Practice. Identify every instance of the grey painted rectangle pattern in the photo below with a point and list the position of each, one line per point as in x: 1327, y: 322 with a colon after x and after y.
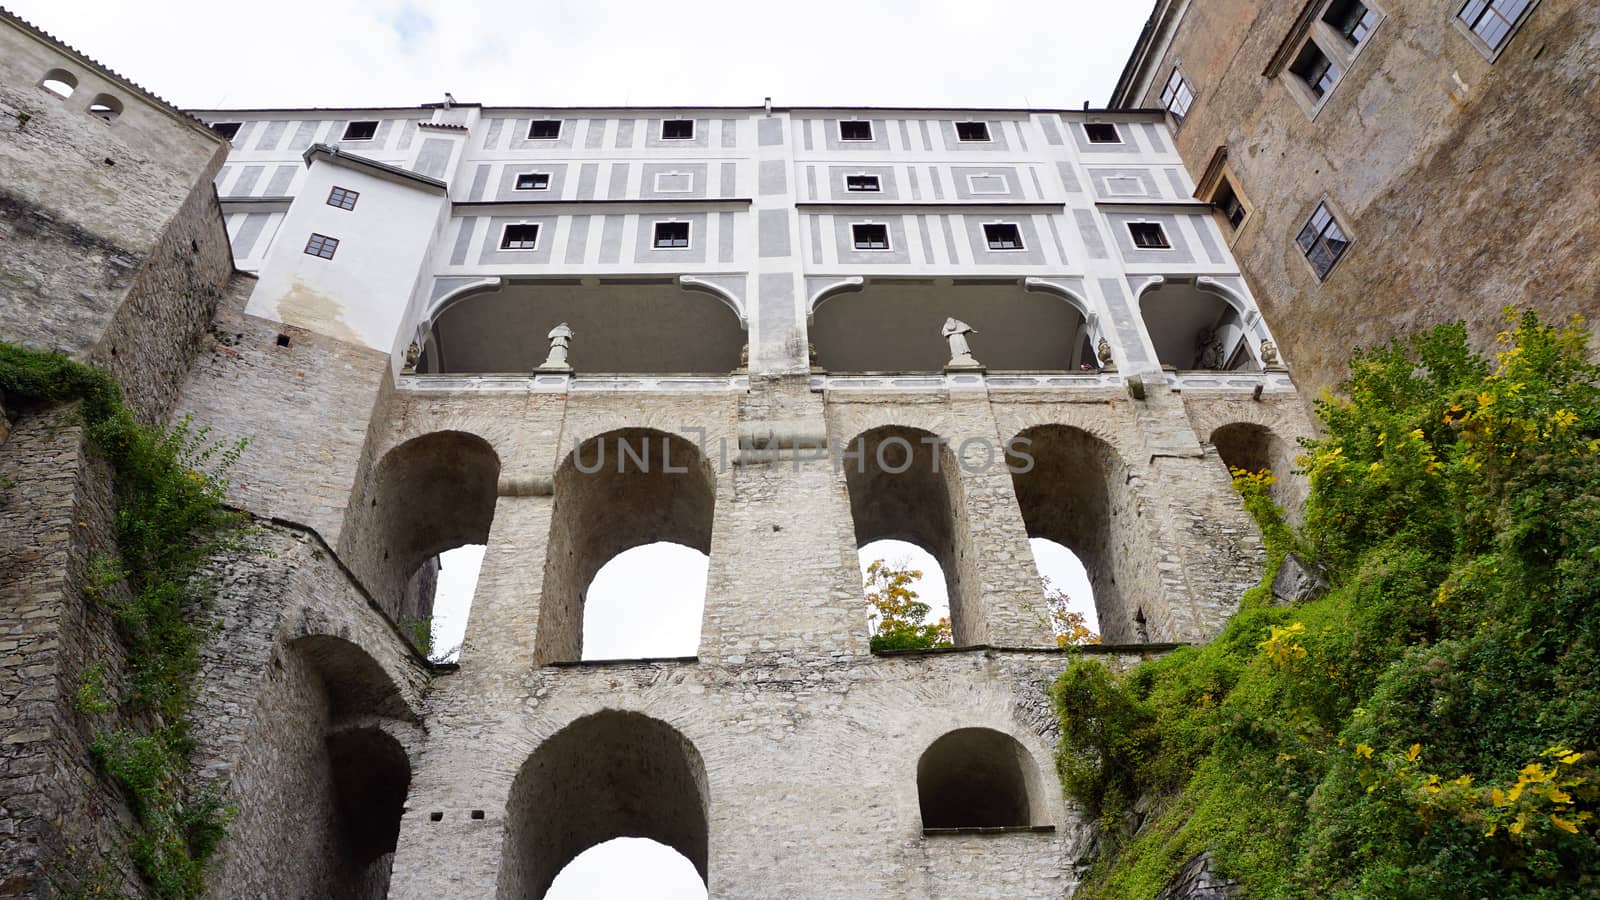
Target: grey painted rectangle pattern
x: 772, y: 178
x: 887, y: 190
x: 730, y: 134
x: 911, y: 180
x: 480, y: 180
x: 624, y: 134
x: 948, y: 223
x: 1125, y: 131
x: 618, y: 186
x: 1038, y: 187
x: 968, y: 177
x: 458, y: 255
x: 595, y: 134
x: 927, y: 239
x: 507, y: 188
x: 696, y: 171
x: 645, y: 251
x: 611, y: 239
x: 1122, y: 317
x: 434, y: 157
x: 1055, y: 234
x: 725, y: 237
x: 934, y: 182
x: 1145, y: 178
x: 1090, y: 232
x: 539, y: 255
x: 1052, y: 134
x: 1032, y: 253
x: 282, y: 178
x: 844, y: 241
x: 1069, y: 177
x: 577, y: 240
x: 772, y: 234
x: 811, y: 182
x: 491, y: 136
x: 816, y: 239
x: 304, y: 136
x: 775, y: 307
x: 769, y: 132
x: 1202, y: 229
x: 271, y: 135
x: 1179, y: 252
x: 408, y: 131
x: 1179, y: 191
x: 246, y: 184
x: 728, y: 183
x: 249, y: 231
x: 588, y: 174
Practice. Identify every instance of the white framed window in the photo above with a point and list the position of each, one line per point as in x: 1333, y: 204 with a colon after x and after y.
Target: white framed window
x: 870, y: 236
x: 985, y: 183
x: 520, y: 237
x: 862, y: 184
x: 671, y: 236
x: 1102, y: 133
x: 360, y: 131
x: 1177, y: 96
x: 677, y: 129
x: 1490, y: 24
x: 1125, y: 186
x: 855, y: 130
x: 674, y: 182
x: 1334, y: 37
x: 544, y: 130
x: 1003, y: 236
x: 1322, y: 240
x: 972, y: 132
x: 532, y: 181
x: 1149, y: 236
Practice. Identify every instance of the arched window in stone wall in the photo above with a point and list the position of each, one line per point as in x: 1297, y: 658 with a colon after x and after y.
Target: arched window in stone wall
x: 978, y: 778
x: 1077, y: 494
x: 431, y: 494
x: 370, y: 776
x: 646, y: 602
x: 1244, y: 445
x: 904, y: 485
x: 621, y: 490
x: 1195, y: 329
x: 608, y: 775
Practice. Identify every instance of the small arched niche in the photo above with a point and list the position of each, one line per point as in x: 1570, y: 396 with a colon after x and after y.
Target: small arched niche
x: 59, y: 82
x: 608, y: 775
x: 619, y: 325
x: 978, y: 778
x: 105, y: 106
x: 620, y: 490
x: 1252, y: 447
x: 904, y: 484
x: 431, y: 494
x: 893, y: 325
x: 1195, y: 329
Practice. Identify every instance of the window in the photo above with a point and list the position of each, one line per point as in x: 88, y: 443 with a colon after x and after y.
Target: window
x: 105, y: 106
x: 322, y: 246
x: 1177, y: 96
x: 228, y: 130
x: 1352, y: 19
x: 59, y: 82
x: 519, y: 237
x: 1003, y: 236
x: 1149, y: 236
x: 672, y: 235
x: 1315, y: 69
x: 1493, y: 21
x: 1322, y: 240
x: 342, y: 198
x: 533, y: 181
x: 544, y: 129
x: 972, y: 131
x: 862, y: 183
x: 1227, y: 202
x: 360, y: 131
x: 1102, y: 133
x: 855, y: 131
x: 870, y: 237
x: 677, y: 129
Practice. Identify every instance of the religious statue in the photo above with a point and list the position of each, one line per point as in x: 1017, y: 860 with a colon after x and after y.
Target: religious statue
x: 1208, y: 350
x: 560, y: 342
x: 413, y: 353
x: 955, y: 331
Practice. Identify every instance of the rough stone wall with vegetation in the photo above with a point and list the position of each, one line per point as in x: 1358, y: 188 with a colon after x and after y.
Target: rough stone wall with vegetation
x: 1463, y: 183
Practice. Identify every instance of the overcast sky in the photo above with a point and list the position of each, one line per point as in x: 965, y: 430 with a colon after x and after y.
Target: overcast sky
x: 206, y: 54
x: 939, y: 53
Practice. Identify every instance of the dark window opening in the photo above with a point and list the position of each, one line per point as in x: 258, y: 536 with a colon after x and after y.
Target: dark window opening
x: 1352, y: 19
x: 1227, y: 202
x: 533, y: 181
x: 672, y: 235
x: 975, y: 778
x: 1149, y: 235
x: 1003, y: 236
x: 870, y: 237
x: 283, y: 340
x: 342, y: 198
x: 228, y: 130
x: 1322, y: 240
x: 1314, y: 68
x: 677, y: 130
x: 855, y: 131
x: 544, y: 129
x: 322, y: 246
x: 519, y: 237
x: 860, y: 183
x: 360, y: 131
x: 1493, y: 20
x: 972, y: 131
x: 1102, y: 133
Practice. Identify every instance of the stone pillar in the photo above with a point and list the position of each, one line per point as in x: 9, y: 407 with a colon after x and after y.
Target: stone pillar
x: 784, y: 577
x: 504, y: 622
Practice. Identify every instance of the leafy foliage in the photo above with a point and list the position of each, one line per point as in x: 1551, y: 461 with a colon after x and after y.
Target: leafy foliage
x: 169, y: 520
x: 1070, y: 627
x: 1429, y: 727
x: 899, y: 619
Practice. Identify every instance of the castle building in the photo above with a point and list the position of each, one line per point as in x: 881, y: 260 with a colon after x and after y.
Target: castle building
x: 1378, y: 166
x: 771, y: 334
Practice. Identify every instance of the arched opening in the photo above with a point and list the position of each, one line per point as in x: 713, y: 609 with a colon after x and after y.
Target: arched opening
x: 371, y: 776
x: 628, y: 867
x: 428, y: 495
x: 1076, y: 494
x: 894, y: 326
x: 904, y: 486
x: 59, y: 82
x: 608, y: 775
x: 621, y: 490
x: 619, y: 326
x: 1195, y: 329
x: 456, y: 581
x: 911, y: 615
x: 1068, y: 593
x: 978, y: 778
x: 105, y: 106
x: 1244, y: 445
x: 646, y: 602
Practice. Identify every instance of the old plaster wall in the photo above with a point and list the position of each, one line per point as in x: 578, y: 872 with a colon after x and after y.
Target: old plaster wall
x: 1458, y: 179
